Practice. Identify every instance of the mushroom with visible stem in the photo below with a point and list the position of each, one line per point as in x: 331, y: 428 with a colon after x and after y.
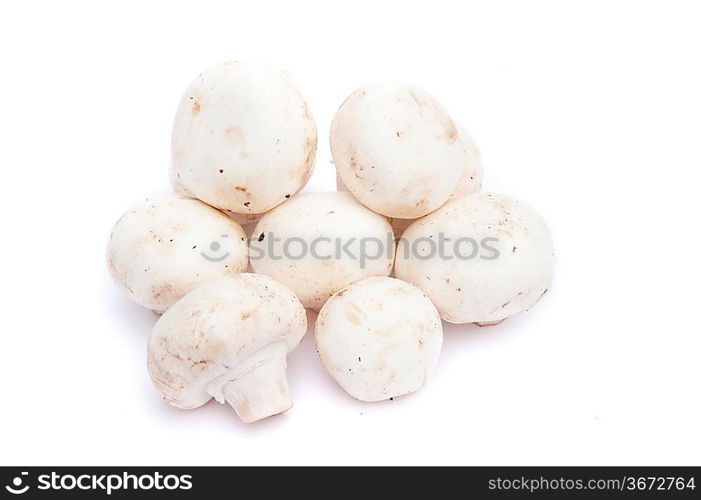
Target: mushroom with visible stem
x: 160, y: 250
x: 243, y: 139
x: 496, y: 258
x: 318, y: 243
x: 396, y: 150
x: 379, y: 338
x: 228, y: 340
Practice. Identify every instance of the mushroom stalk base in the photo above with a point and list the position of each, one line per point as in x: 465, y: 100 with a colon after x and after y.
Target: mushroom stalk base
x: 262, y: 390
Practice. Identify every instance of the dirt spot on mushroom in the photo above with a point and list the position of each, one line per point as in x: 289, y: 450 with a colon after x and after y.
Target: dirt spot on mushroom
x: 166, y: 293
x: 305, y: 111
x: 416, y: 98
x: 451, y: 133
x: 541, y: 296
x: 234, y: 133
x: 421, y: 344
x: 384, y: 332
x: 240, y: 188
x: 196, y: 107
x: 309, y: 148
x: 400, y: 291
x: 354, y: 313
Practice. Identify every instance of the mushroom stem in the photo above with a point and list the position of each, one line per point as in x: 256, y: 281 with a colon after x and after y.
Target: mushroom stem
x: 261, y: 391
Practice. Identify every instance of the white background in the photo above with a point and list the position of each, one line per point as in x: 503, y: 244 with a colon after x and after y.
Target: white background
x: 589, y: 111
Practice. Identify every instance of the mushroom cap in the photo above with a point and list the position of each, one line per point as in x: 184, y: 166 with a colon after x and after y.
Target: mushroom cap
x: 160, y: 250
x: 485, y: 280
x: 243, y: 138
x: 322, y: 222
x: 470, y: 181
x: 379, y: 338
x: 396, y: 150
x: 204, y: 340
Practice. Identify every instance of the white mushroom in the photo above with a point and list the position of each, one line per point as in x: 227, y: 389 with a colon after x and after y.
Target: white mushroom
x: 379, y: 338
x: 160, y: 250
x: 396, y: 150
x: 243, y: 138
x: 228, y: 340
x: 480, y: 258
x: 470, y: 181
x: 317, y: 243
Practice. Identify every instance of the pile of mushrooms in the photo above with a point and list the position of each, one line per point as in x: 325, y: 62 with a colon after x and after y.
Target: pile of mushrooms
x: 406, y: 241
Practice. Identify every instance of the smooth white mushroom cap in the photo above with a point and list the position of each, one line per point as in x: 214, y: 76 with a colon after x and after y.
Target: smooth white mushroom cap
x: 470, y: 181
x: 160, y: 250
x: 396, y: 150
x: 321, y: 223
x: 379, y: 338
x: 507, y: 262
x: 229, y: 340
x: 243, y: 138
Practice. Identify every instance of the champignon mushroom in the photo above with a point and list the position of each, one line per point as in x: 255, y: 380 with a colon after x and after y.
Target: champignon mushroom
x: 470, y: 181
x: 480, y: 258
x: 160, y: 250
x: 379, y: 338
x: 228, y: 340
x: 317, y: 243
x: 243, y: 138
x: 396, y: 150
